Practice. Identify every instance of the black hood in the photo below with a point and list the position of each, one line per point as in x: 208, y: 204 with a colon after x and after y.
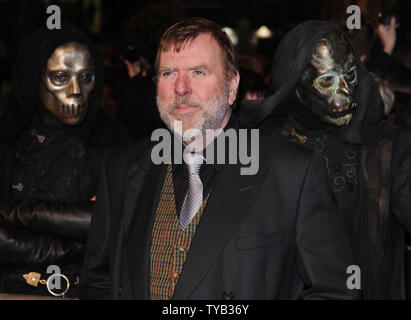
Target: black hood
x: 30, y: 63
x: 292, y: 57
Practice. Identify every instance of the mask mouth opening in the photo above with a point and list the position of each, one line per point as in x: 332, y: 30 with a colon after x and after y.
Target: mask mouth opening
x: 341, y: 121
x: 73, y: 109
x: 338, y: 112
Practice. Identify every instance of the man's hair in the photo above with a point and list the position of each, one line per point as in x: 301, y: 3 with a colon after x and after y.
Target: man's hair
x: 183, y: 32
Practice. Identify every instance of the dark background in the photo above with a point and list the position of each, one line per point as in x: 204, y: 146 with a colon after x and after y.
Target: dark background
x: 109, y: 20
x: 19, y: 17
x: 115, y: 24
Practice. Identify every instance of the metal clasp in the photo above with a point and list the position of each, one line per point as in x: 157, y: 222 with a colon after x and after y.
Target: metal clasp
x: 33, y: 278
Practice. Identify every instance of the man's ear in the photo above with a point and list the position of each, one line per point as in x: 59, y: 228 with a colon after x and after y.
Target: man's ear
x: 233, y: 87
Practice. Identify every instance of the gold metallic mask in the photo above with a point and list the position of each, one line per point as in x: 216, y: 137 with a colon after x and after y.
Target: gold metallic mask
x: 328, y: 84
x: 67, y: 80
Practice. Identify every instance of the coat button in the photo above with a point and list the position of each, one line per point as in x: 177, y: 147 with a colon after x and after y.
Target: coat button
x: 228, y: 295
x: 120, y: 290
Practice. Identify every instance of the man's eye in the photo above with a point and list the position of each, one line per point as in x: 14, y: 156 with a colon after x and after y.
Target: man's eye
x: 166, y: 74
x: 199, y: 73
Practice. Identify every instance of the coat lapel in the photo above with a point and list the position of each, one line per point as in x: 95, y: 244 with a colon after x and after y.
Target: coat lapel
x: 141, y: 195
x: 225, y: 208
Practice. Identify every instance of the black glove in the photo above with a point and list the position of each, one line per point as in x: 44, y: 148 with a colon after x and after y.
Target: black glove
x: 21, y: 248
x: 65, y: 220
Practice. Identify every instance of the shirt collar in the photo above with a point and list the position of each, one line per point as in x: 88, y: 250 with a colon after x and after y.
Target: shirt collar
x: 231, y: 124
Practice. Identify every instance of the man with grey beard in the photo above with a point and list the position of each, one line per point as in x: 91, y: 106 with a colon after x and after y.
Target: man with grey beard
x: 203, y: 230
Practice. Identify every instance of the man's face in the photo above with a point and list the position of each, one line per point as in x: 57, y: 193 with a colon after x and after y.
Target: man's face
x: 68, y: 80
x: 327, y: 87
x: 191, y: 86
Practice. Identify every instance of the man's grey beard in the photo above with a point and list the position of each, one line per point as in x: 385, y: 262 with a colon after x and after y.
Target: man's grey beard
x: 207, y: 121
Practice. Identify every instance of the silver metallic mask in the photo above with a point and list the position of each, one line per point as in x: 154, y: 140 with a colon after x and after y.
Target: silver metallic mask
x: 67, y: 80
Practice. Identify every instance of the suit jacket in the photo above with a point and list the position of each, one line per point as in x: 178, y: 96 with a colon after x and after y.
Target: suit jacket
x: 273, y: 235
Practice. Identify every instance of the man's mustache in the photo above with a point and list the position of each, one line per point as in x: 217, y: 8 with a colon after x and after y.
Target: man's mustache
x: 184, y: 100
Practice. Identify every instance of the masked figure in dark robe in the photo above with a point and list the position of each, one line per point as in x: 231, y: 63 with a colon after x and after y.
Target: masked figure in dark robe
x: 53, y: 139
x: 325, y: 100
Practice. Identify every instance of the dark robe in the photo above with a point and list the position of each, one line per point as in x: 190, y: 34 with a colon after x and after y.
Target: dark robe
x: 368, y: 161
x: 48, y: 170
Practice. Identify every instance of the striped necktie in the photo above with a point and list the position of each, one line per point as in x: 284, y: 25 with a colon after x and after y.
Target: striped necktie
x: 194, y: 196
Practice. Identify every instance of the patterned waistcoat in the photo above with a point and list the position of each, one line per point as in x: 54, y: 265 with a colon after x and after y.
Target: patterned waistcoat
x: 170, y: 245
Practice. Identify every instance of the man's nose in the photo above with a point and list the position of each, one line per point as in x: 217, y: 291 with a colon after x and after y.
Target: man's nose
x: 343, y: 87
x: 182, y: 85
x: 74, y: 88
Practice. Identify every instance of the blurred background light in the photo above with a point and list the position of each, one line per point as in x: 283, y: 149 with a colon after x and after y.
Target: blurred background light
x: 264, y: 33
x: 232, y: 35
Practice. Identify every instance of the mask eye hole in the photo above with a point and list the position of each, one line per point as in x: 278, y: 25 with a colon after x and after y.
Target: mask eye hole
x: 87, y: 77
x: 351, y: 76
x: 326, y: 81
x: 59, y: 77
